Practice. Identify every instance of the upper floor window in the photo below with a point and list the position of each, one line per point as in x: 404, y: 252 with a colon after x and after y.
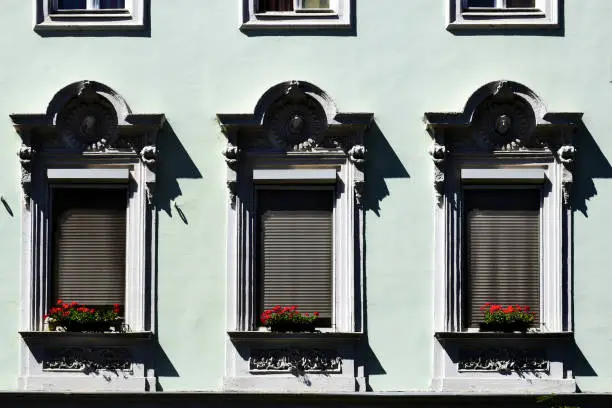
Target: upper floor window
x: 89, y: 14
x: 295, y: 238
x: 502, y: 13
x: 88, y: 177
x: 300, y: 14
x: 503, y: 175
x: 88, y: 4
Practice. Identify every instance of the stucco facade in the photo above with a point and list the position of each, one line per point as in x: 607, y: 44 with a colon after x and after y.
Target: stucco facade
x: 397, y: 61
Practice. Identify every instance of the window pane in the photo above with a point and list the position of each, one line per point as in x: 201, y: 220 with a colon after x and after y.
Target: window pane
x: 315, y: 4
x: 295, y: 250
x: 520, y: 3
x: 72, y: 4
x: 502, y: 235
x: 89, y: 230
x: 481, y: 3
x: 275, y: 5
x: 112, y: 4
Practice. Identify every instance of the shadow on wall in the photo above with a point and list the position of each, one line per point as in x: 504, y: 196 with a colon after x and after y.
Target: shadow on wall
x: 525, y: 32
x: 383, y: 163
x: 174, y: 164
x: 590, y: 164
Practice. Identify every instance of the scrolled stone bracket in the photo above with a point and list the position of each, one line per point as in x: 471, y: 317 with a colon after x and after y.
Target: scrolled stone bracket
x: 438, y: 154
x: 566, y: 155
x: 148, y: 155
x: 231, y: 153
x: 26, y: 155
x: 357, y: 154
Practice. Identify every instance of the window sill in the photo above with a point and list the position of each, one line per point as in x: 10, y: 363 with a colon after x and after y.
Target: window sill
x: 84, y: 362
x: 547, y: 336
x: 296, y: 21
x: 504, y: 362
x: 76, y: 20
x: 502, y: 21
x: 294, y: 362
x: 254, y: 336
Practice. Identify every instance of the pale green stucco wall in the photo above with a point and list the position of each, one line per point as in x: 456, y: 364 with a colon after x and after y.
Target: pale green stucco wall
x: 401, y: 64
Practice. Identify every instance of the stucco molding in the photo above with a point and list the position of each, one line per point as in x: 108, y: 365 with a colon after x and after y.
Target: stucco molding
x: 503, y: 127
x: 295, y: 125
x: 545, y: 15
x: 87, y: 125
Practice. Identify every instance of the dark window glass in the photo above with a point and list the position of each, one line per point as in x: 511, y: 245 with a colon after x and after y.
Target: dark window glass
x: 481, y: 3
x: 520, y: 3
x: 112, y: 4
x: 274, y: 5
x: 72, y: 4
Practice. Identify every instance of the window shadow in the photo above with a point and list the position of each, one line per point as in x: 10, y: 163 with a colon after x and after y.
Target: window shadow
x: 106, y: 32
x: 590, y: 164
x: 524, y: 32
x: 382, y: 163
x: 174, y: 164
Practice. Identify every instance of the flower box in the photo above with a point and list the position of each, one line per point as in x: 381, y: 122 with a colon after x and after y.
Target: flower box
x: 288, y: 319
x: 508, y: 319
x: 73, y: 317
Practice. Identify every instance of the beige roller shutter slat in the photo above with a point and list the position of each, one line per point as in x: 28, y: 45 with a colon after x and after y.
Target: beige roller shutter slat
x: 503, y: 249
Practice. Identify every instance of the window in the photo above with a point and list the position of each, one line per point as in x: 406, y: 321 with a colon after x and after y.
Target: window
x: 295, y: 238
x: 89, y: 230
x: 502, y: 248
x: 299, y: 14
x: 502, y: 235
x: 295, y: 230
x: 87, y: 4
x: 89, y: 14
x: 503, y: 13
x: 88, y: 218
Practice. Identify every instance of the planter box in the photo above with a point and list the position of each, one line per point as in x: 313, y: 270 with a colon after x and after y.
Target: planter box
x: 505, y: 327
x: 293, y: 327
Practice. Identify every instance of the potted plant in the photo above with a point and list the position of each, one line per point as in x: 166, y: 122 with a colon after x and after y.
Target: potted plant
x: 73, y: 317
x: 506, y: 319
x: 288, y: 319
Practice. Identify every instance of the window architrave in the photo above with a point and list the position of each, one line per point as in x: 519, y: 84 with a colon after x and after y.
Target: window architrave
x: 477, y: 138
x: 544, y: 15
x: 47, y: 17
x: 339, y: 16
x: 60, y: 140
x: 328, y: 140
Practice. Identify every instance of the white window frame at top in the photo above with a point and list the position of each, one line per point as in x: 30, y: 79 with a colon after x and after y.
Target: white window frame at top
x: 49, y: 17
x: 338, y: 16
x: 544, y: 15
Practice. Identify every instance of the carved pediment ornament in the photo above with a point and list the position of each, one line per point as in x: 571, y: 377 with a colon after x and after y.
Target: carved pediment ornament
x: 502, y: 116
x: 87, y: 117
x: 294, y: 117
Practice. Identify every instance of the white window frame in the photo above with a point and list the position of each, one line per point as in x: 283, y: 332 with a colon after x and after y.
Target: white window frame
x: 67, y: 161
x: 472, y: 148
x: 338, y: 16
x: 47, y: 16
x: 259, y: 150
x: 544, y: 15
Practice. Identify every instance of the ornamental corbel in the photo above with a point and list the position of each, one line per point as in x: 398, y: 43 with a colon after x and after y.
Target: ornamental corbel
x: 148, y: 155
x: 357, y: 154
x: 231, y: 153
x: 359, y: 186
x: 566, y: 155
x: 26, y: 155
x: 438, y: 155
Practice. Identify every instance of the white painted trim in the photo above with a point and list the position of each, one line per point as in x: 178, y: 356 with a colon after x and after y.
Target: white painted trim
x: 545, y: 15
x: 483, y: 175
x: 89, y: 174
x: 339, y: 17
x: 48, y: 18
x: 294, y: 175
x: 530, y: 171
x: 36, y: 262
